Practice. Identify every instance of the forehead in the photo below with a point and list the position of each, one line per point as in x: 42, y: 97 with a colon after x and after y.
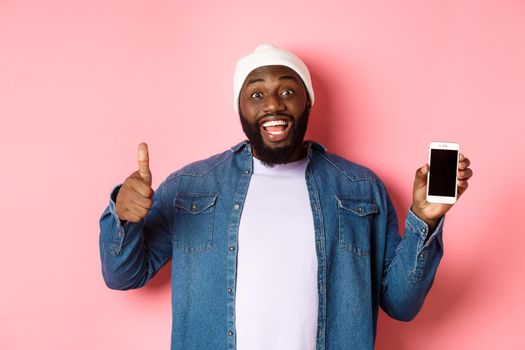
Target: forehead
x: 270, y: 73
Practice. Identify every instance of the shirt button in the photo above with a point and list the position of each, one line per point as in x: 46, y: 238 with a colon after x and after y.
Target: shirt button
x: 232, y: 248
x: 120, y: 234
x: 247, y: 172
x: 230, y: 333
x: 229, y: 290
x: 236, y: 206
x: 193, y: 206
x: 422, y: 255
x: 424, y: 230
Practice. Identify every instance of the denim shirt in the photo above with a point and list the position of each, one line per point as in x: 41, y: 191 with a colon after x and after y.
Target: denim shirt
x: 363, y: 263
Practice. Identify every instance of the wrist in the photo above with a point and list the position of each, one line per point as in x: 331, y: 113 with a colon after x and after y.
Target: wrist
x: 431, y: 223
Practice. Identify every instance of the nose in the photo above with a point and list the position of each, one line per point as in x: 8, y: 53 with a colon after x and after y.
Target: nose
x: 274, y: 104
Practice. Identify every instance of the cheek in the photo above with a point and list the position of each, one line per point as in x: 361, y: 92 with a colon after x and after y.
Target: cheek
x: 298, y: 108
x: 299, y: 104
x: 248, y: 110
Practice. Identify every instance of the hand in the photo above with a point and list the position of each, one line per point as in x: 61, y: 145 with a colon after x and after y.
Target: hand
x: 134, y: 197
x: 432, y: 212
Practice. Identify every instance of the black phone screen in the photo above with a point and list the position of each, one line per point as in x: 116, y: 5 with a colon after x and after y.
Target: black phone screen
x: 442, y: 179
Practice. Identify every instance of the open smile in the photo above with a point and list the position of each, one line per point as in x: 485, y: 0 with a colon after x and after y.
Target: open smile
x: 276, y: 128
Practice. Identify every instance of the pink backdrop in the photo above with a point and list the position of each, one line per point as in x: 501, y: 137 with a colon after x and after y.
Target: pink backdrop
x: 83, y: 82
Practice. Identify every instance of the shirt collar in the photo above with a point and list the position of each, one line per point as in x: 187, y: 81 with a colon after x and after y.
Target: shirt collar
x: 311, y: 145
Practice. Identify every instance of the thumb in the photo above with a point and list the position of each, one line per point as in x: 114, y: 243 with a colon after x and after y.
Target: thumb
x: 420, y: 181
x: 143, y: 157
x: 420, y: 187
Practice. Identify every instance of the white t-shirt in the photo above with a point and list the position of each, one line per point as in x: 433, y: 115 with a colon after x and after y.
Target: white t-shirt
x: 276, y: 297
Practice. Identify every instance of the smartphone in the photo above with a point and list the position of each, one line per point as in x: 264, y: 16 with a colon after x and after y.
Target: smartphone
x: 442, y: 177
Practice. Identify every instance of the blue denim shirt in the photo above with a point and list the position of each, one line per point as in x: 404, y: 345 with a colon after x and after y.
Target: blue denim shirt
x: 363, y: 262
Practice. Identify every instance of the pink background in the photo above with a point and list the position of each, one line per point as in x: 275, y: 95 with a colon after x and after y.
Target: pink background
x: 83, y: 82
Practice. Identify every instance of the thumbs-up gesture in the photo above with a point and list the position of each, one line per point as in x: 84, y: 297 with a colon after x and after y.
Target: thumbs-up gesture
x: 134, y: 197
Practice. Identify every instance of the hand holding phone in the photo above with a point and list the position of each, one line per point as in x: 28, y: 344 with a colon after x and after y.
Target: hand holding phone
x: 430, y: 204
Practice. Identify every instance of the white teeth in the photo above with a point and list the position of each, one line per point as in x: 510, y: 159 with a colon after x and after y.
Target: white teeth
x: 274, y: 123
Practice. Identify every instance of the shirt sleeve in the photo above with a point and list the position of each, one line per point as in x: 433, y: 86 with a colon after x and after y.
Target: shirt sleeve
x: 132, y: 253
x: 410, y: 264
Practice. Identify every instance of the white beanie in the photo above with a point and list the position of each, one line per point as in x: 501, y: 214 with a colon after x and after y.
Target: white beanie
x: 268, y: 55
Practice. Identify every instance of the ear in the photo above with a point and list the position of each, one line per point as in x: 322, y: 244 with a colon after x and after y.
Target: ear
x: 308, y: 102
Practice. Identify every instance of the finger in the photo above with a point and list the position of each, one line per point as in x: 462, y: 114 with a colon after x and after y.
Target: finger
x: 141, y: 201
x: 465, y: 174
x: 137, y: 210
x: 143, y: 157
x: 138, y: 185
x: 124, y: 213
x: 462, y: 187
x: 131, y: 217
x: 462, y: 183
x: 464, y: 162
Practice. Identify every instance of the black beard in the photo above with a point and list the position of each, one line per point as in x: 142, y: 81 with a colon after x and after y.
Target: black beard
x: 278, y: 155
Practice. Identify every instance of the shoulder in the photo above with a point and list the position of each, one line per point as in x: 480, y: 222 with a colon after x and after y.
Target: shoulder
x: 339, y: 166
x: 202, y: 167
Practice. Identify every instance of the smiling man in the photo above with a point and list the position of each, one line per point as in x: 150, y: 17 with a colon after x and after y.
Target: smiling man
x: 275, y: 243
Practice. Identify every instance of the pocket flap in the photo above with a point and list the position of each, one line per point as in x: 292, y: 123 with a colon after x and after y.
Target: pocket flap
x: 195, y: 203
x: 358, y: 206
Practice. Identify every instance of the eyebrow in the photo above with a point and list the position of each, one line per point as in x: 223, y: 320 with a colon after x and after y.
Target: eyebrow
x: 260, y: 80
x: 288, y: 77
x: 253, y: 81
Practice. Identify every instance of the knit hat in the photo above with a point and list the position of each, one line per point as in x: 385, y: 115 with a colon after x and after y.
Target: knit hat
x: 268, y: 55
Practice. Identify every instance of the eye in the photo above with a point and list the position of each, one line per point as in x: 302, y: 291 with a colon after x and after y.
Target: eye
x: 256, y: 95
x: 287, y: 92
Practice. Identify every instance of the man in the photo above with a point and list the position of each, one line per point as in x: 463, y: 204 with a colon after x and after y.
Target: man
x: 275, y: 243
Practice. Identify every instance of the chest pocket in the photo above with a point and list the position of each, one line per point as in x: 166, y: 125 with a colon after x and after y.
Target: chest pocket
x: 355, y: 216
x: 193, y: 222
